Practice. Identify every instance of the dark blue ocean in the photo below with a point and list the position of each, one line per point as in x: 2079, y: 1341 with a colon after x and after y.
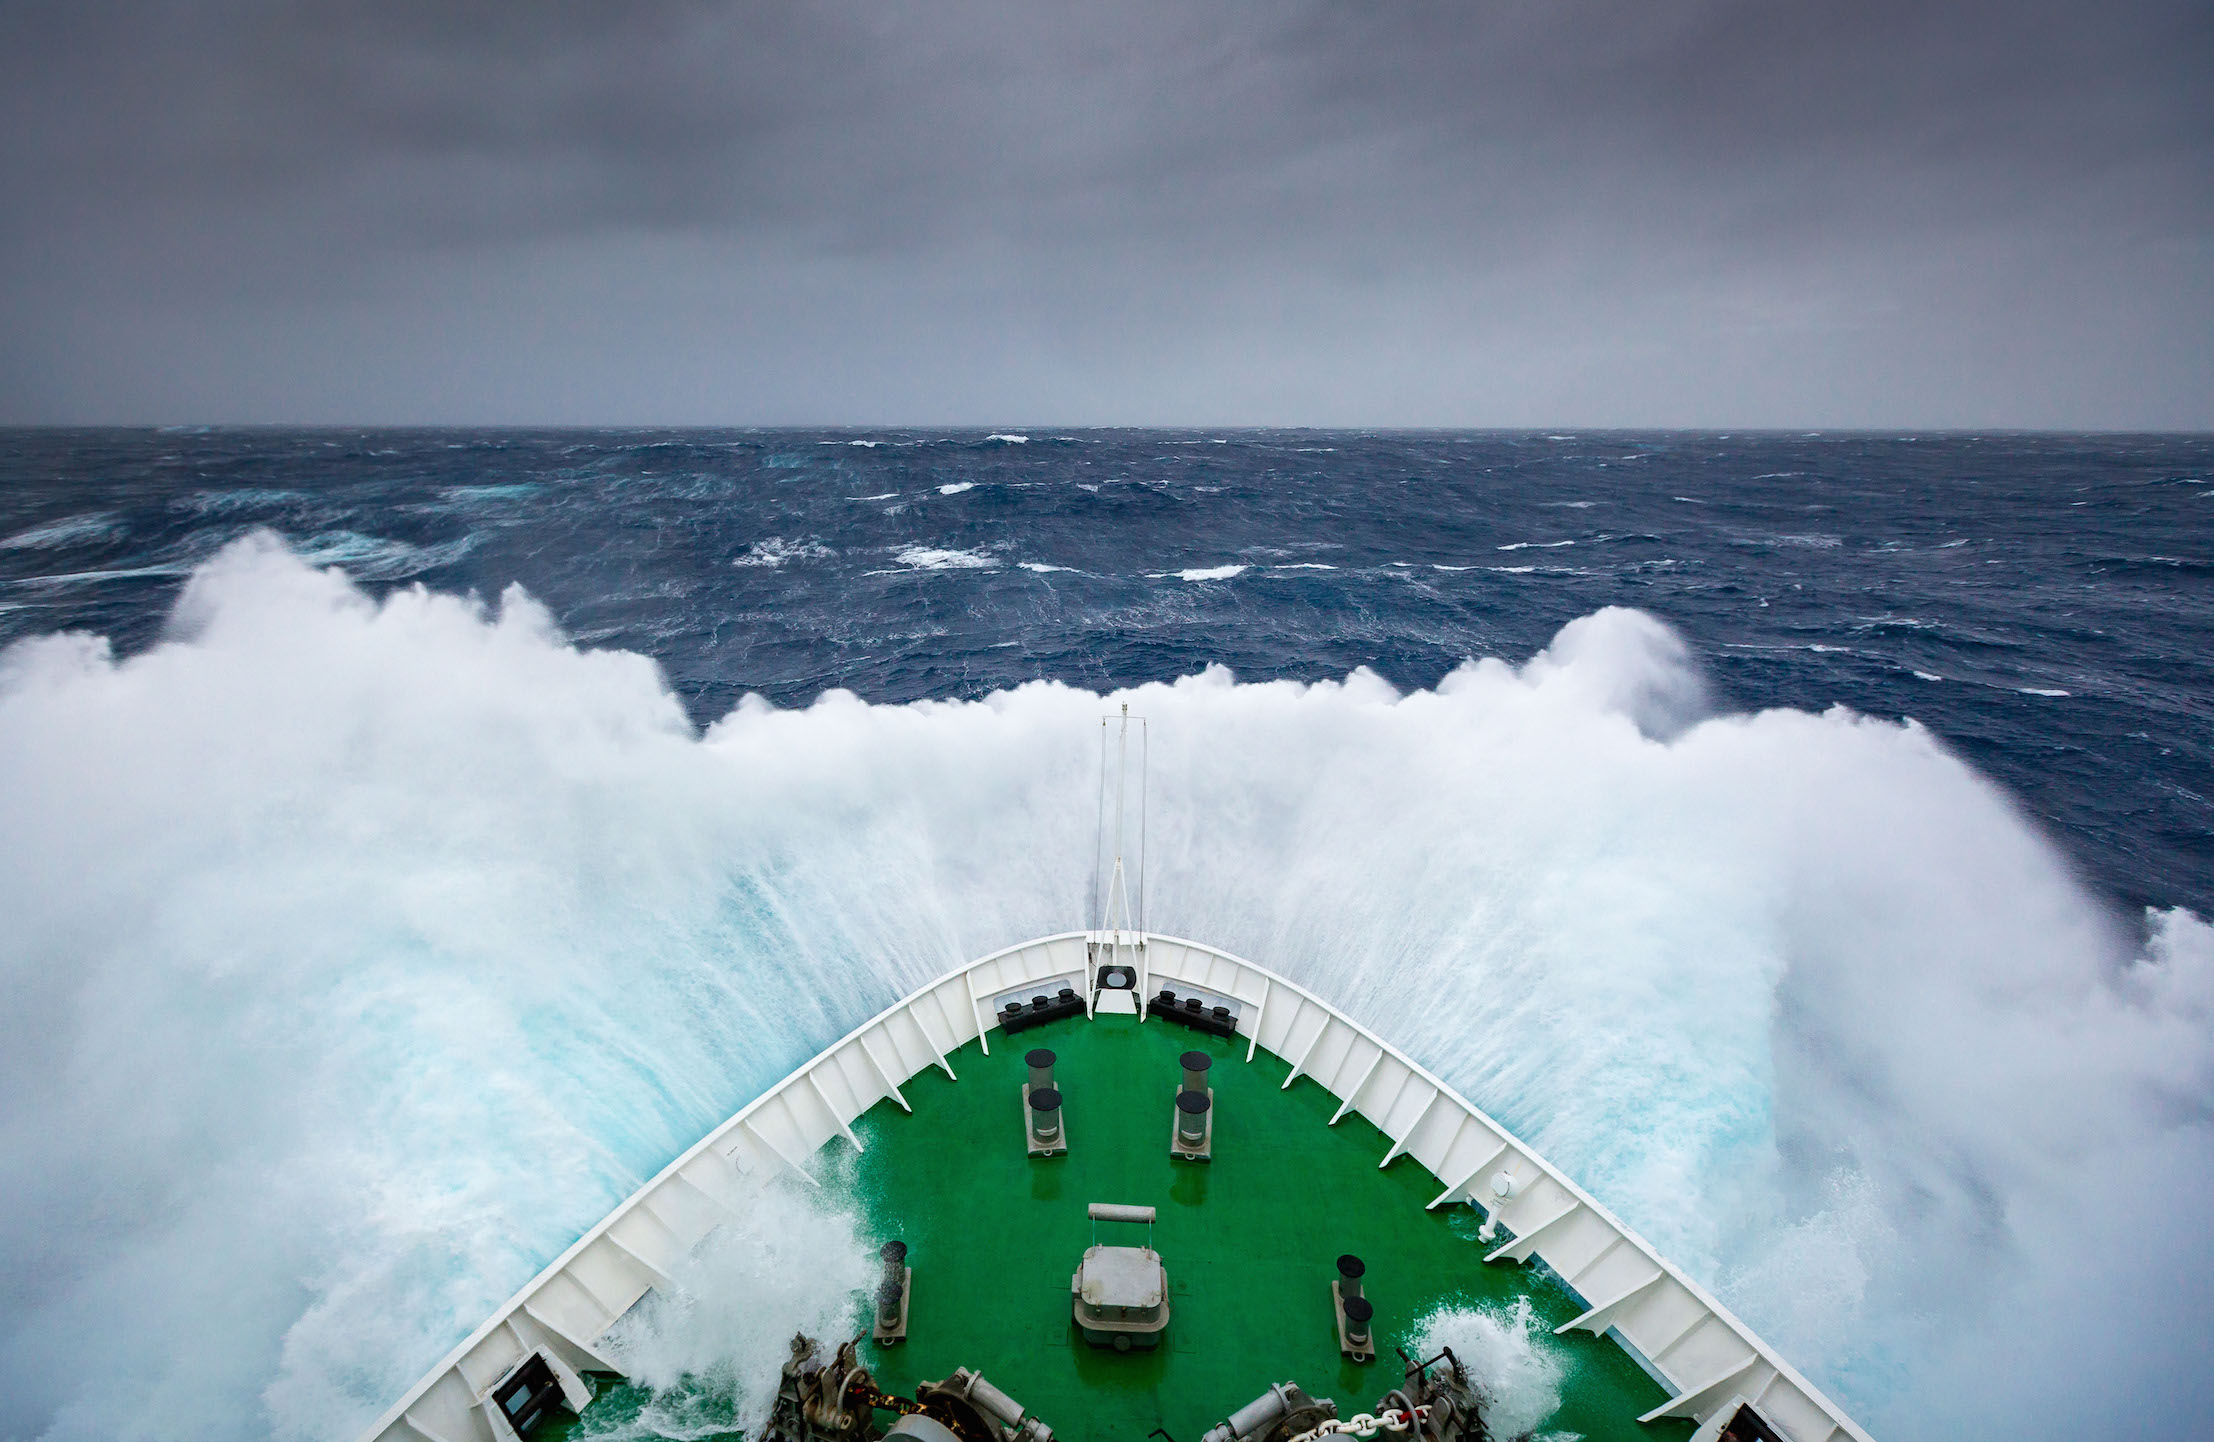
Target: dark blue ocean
x: 2043, y: 603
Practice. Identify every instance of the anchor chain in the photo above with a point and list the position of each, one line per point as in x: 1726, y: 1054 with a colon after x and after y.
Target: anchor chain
x: 1363, y: 1424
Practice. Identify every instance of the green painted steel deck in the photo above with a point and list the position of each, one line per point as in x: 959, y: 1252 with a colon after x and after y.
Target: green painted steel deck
x: 1250, y: 1241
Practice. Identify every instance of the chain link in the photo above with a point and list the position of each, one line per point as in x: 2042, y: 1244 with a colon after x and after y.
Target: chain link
x: 1363, y: 1425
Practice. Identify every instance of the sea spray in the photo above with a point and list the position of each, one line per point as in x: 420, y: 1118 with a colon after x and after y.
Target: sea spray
x: 361, y: 954
x: 1514, y: 1364
x: 711, y: 1350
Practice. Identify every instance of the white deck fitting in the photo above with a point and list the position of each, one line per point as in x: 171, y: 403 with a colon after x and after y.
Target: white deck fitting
x: 1691, y: 1343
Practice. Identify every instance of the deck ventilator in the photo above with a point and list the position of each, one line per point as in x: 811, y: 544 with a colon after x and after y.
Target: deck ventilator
x: 832, y: 1108
x: 1355, y: 1094
x: 589, y: 1349
x: 1473, y: 1172
x: 1519, y: 1249
x: 1684, y: 1403
x: 883, y: 1074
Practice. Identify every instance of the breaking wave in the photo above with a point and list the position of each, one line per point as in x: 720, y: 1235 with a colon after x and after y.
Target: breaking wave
x: 941, y: 558
x: 363, y: 953
x: 1510, y: 1357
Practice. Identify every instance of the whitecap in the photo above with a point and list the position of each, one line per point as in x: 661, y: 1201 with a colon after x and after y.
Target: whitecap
x: 2041, y: 691
x: 95, y: 527
x: 1303, y: 566
x: 888, y: 495
x: 1929, y: 676
x: 1009, y: 439
x: 955, y: 488
x: 1042, y: 568
x: 379, y: 558
x: 776, y: 550
x: 934, y: 558
x: 1535, y: 545
x: 1212, y: 573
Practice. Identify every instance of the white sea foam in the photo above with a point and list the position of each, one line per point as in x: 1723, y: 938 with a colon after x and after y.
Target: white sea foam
x: 1512, y: 1359
x: 886, y: 496
x: 1042, y: 568
x: 776, y: 551
x: 1534, y: 545
x: 1212, y: 573
x: 379, y: 558
x: 1929, y: 676
x: 2041, y: 691
x: 1302, y: 566
x: 55, y: 534
x: 955, y: 488
x: 1009, y: 439
x: 935, y: 558
x: 711, y: 1349
x: 369, y: 951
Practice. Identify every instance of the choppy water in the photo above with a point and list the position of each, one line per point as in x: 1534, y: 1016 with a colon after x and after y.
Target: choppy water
x: 1964, y: 582
x: 362, y: 954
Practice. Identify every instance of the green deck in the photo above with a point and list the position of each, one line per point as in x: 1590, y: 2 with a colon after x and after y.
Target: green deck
x: 1249, y: 1241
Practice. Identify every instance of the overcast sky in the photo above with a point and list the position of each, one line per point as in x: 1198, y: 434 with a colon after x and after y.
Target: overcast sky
x: 1541, y: 212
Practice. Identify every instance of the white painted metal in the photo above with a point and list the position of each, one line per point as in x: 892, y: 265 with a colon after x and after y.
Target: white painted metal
x: 1689, y: 1341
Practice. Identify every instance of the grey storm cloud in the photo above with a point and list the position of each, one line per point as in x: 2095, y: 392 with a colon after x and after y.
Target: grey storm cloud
x: 1584, y: 212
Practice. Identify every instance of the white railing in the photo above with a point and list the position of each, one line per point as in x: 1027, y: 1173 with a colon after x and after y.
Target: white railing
x: 1689, y: 1342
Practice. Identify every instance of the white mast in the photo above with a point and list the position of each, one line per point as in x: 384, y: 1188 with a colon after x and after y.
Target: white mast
x: 1121, y: 926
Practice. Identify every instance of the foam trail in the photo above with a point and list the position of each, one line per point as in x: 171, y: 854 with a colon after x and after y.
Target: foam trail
x: 360, y: 955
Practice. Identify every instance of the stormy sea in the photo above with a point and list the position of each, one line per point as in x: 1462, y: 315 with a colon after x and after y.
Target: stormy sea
x: 414, y: 839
